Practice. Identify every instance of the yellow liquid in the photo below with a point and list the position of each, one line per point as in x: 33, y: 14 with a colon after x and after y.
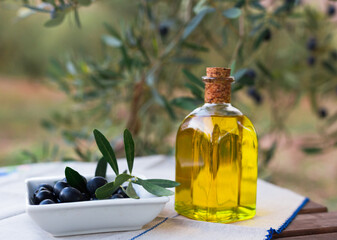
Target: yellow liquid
x: 216, y: 164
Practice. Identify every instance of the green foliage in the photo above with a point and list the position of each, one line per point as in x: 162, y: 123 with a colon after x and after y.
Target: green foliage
x: 154, y: 186
x: 101, y: 167
x: 106, y: 150
x: 129, y: 149
x: 75, y: 179
x: 158, y: 52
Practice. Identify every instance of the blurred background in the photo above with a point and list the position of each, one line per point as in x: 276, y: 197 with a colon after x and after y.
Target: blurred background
x: 67, y: 67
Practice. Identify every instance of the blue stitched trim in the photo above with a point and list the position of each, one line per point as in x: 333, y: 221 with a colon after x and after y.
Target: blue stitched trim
x: 149, y: 229
x: 6, y: 171
x: 271, y: 231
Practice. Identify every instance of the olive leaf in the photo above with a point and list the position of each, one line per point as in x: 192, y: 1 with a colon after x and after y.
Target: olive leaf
x: 154, y: 189
x: 75, y: 179
x: 106, y: 149
x: 55, y: 21
x: 101, y: 167
x: 108, y: 189
x: 130, y: 191
x: 129, y: 146
x: 194, y: 79
x: 232, y: 13
x: 163, y: 183
x: 195, y: 21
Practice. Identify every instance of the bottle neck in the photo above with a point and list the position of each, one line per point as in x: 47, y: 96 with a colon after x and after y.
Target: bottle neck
x: 217, y: 91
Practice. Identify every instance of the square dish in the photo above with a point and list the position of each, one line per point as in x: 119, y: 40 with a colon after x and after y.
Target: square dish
x: 64, y: 219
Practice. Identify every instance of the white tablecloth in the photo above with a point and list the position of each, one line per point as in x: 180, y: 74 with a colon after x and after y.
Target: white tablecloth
x: 275, y: 207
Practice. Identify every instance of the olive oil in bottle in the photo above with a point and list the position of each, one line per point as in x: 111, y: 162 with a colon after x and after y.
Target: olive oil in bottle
x: 216, y: 157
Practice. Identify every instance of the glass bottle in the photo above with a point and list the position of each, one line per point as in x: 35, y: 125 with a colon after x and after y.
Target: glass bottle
x: 216, y: 157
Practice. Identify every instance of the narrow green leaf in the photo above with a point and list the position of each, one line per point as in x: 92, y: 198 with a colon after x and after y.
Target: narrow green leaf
x: 36, y: 8
x: 195, y: 22
x: 129, y: 146
x: 154, y: 189
x: 75, y: 179
x: 106, y: 149
x: 111, y: 30
x: 264, y: 69
x: 187, y: 60
x: 130, y: 191
x: 101, y: 167
x: 232, y: 13
x: 193, y: 78
x: 111, y: 41
x: 55, y: 21
x: 162, y: 101
x: 257, y: 28
x: 270, y: 153
x: 108, y: 189
x: 195, y: 47
x: 197, y: 92
x: 233, y: 66
x: 186, y: 103
x: 77, y: 18
x: 257, y: 5
x: 312, y: 150
x: 84, y: 2
x: 329, y: 67
x: 163, y: 183
x: 239, y: 74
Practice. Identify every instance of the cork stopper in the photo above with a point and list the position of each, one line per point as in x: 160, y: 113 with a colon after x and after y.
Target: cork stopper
x: 218, y: 85
x: 218, y: 72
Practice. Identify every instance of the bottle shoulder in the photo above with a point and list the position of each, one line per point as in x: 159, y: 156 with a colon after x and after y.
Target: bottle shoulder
x: 216, y: 109
x: 225, y: 116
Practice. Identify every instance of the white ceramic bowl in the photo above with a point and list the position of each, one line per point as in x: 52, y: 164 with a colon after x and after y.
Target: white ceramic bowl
x: 97, y: 216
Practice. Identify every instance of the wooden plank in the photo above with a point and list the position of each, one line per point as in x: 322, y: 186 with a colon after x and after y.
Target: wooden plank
x: 308, y: 224
x: 324, y: 236
x: 312, y: 207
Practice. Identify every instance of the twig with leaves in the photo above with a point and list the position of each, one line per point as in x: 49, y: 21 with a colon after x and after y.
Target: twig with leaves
x: 156, y: 187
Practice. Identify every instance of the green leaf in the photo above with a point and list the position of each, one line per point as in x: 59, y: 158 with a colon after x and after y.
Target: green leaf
x: 154, y: 189
x: 129, y: 146
x: 187, y: 60
x: 75, y: 179
x: 195, y: 47
x: 111, y: 30
x: 169, y: 109
x: 232, y: 13
x: 195, y: 22
x: 312, y: 150
x: 163, y: 183
x: 101, y: 167
x: 270, y: 153
x: 77, y: 18
x: 130, y: 191
x: 84, y: 2
x: 106, y: 149
x: 239, y: 74
x: 264, y: 69
x: 55, y: 21
x: 36, y: 8
x: 108, y: 189
x: 233, y: 66
x: 162, y: 101
x: 329, y: 67
x: 186, y: 103
x: 111, y: 41
x: 193, y: 78
x: 257, y: 28
x: 257, y: 5
x: 261, y: 38
x: 197, y: 92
